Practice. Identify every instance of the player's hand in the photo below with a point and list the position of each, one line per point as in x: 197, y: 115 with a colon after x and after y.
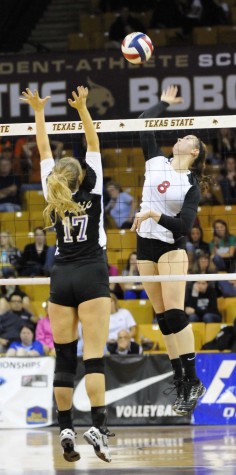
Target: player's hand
x: 33, y: 99
x: 79, y: 98
x: 142, y: 216
x: 169, y: 95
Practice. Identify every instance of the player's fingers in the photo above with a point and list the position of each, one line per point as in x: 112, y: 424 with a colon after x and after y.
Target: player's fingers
x: 29, y: 92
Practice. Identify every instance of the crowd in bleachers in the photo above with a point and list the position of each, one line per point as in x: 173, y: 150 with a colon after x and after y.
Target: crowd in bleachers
x: 190, y: 22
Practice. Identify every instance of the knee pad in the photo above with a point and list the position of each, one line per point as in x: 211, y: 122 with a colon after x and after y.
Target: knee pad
x: 176, y: 320
x: 94, y: 365
x: 164, y: 327
x: 66, y: 364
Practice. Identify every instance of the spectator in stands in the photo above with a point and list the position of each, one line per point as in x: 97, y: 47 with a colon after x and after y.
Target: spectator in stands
x: 120, y: 319
x: 195, y: 245
x: 22, y: 161
x: 192, y: 16
x: 227, y: 288
x: 27, y: 345
x: 201, y: 303
x: 9, y: 187
x: 121, y: 206
x: 9, y: 256
x: 34, y: 255
x: 124, y: 24
x: 5, y: 293
x: 12, y: 320
x: 224, y: 340
x: 228, y: 182
x: 223, y: 247
x: 203, y: 265
x: 209, y: 197
x: 133, y: 290
x: 27, y: 157
x: 124, y: 345
x: 43, y: 334
x: 224, y: 144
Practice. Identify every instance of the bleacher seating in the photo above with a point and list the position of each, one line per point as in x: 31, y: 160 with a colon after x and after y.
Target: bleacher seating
x: 153, y: 333
x: 203, y: 333
x: 141, y: 310
x: 37, y: 293
x: 199, y: 334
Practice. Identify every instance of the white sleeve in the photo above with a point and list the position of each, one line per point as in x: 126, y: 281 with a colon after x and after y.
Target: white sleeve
x: 46, y: 167
x: 93, y: 159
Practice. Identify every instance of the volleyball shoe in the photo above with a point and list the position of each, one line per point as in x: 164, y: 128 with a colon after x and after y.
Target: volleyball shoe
x: 67, y: 441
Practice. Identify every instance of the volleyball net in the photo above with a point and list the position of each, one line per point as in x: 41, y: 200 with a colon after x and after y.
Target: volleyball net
x: 123, y: 163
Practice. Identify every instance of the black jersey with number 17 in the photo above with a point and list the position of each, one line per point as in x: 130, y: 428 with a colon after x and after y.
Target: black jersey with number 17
x: 83, y: 236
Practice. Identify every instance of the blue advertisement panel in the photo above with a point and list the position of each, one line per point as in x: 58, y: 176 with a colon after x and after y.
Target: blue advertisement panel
x: 218, y: 374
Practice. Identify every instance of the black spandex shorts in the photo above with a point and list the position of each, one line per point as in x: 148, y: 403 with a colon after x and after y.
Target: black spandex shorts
x: 153, y: 249
x: 75, y: 282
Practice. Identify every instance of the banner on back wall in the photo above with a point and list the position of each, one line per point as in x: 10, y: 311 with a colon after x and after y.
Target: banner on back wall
x: 205, y: 77
x: 218, y: 374
x: 138, y: 392
x: 26, y: 392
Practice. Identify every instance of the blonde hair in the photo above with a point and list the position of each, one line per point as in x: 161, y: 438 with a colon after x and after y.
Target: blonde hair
x: 62, y: 182
x: 10, y: 238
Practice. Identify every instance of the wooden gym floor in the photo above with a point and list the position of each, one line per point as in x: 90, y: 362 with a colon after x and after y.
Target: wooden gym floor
x: 177, y: 450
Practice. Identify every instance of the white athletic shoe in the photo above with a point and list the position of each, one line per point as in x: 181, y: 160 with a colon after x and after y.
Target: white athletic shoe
x: 100, y: 443
x: 67, y: 441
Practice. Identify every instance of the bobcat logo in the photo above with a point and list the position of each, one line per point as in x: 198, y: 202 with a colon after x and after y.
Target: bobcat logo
x: 99, y: 97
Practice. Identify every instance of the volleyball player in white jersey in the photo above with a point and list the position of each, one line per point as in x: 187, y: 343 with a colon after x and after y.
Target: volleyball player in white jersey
x: 79, y: 277
x: 170, y: 198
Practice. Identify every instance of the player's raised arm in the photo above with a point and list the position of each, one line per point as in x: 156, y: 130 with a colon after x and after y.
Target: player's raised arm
x: 38, y: 104
x: 79, y: 103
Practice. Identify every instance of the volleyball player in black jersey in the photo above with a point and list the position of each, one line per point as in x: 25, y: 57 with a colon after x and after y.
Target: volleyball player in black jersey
x: 79, y: 278
x: 170, y: 199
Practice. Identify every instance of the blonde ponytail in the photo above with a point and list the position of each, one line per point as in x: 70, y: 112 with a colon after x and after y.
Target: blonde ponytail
x: 62, y: 182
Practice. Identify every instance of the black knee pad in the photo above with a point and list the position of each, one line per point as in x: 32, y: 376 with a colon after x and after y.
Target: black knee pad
x: 164, y: 327
x: 94, y: 365
x: 66, y: 364
x: 176, y: 320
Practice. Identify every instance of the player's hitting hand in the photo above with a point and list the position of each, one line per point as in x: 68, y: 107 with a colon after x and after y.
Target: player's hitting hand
x: 79, y: 98
x: 33, y: 99
x: 169, y: 95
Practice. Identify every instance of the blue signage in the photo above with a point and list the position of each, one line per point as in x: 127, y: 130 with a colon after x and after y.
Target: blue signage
x: 217, y: 371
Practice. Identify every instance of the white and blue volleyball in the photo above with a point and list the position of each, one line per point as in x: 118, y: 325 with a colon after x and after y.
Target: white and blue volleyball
x: 137, y: 48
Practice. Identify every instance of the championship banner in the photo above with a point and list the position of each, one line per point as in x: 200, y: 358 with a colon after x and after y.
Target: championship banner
x: 138, y: 392
x: 218, y: 373
x: 26, y: 392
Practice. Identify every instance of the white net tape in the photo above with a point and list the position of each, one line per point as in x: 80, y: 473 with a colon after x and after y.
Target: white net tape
x: 125, y: 125
x: 124, y: 279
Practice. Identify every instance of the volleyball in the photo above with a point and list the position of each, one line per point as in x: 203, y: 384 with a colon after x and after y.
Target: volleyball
x: 137, y: 48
